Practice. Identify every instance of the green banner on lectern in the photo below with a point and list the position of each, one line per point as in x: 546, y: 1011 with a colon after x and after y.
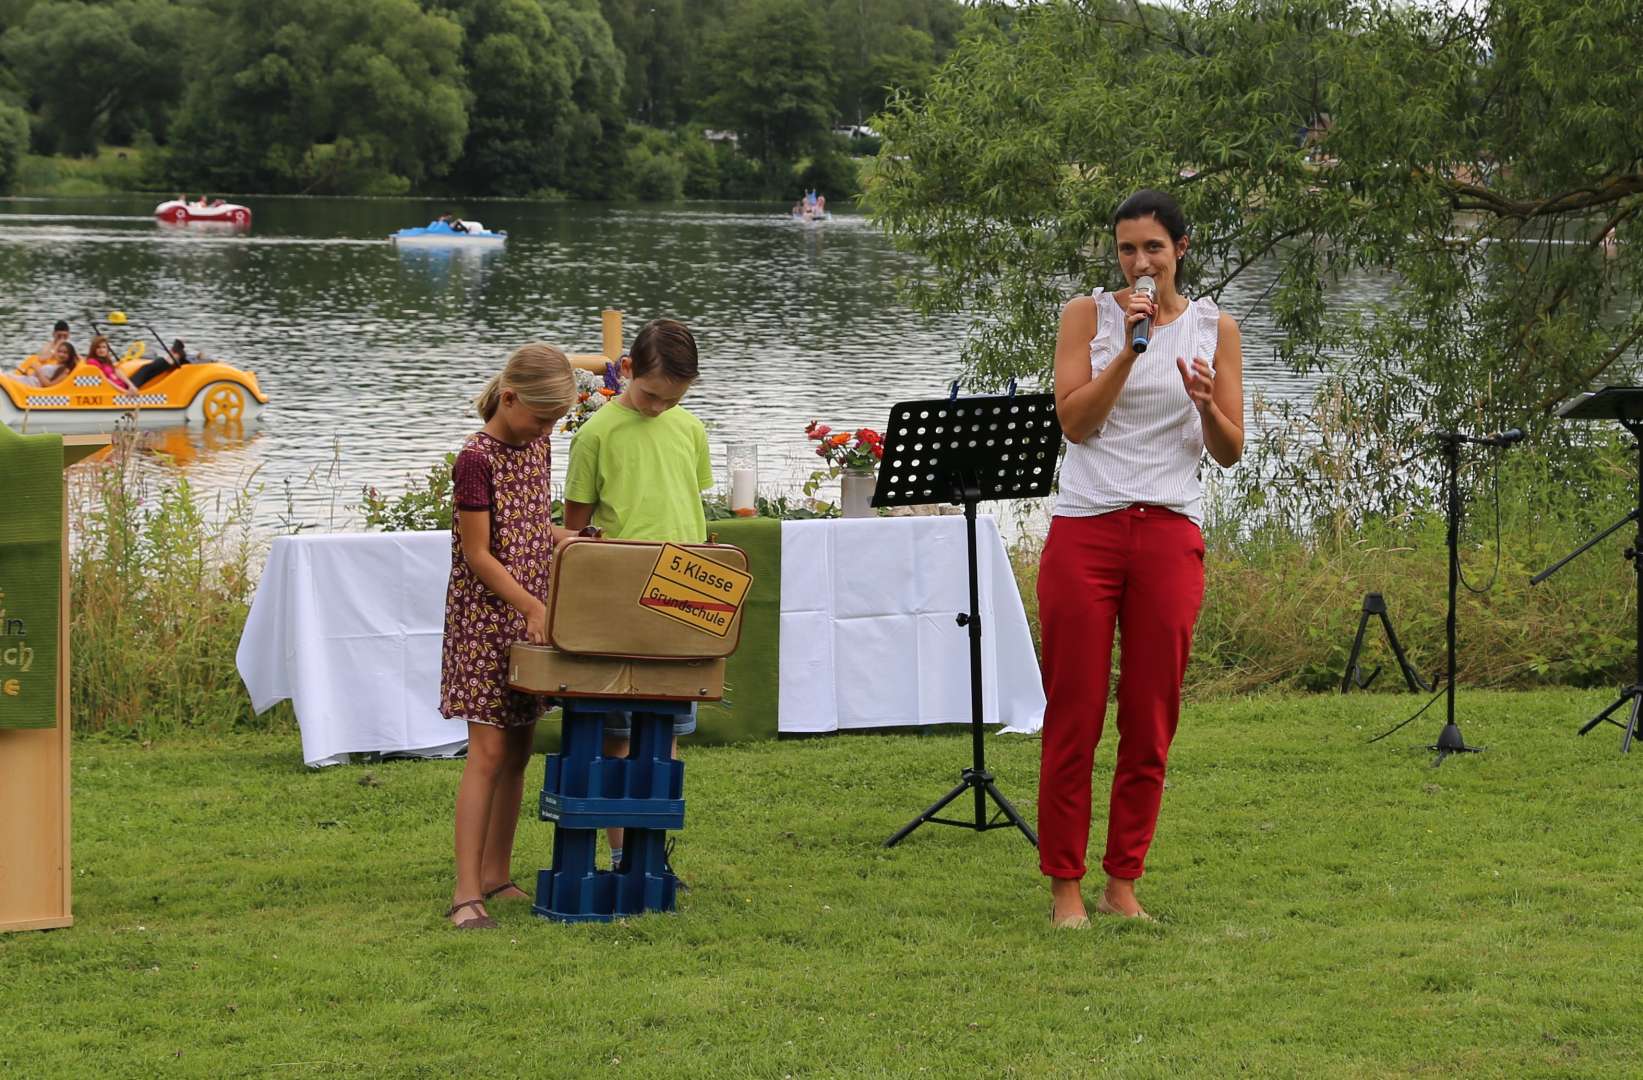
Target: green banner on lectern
x: 31, y: 553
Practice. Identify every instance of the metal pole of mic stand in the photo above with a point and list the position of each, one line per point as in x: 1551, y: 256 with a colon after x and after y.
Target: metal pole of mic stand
x: 1449, y: 740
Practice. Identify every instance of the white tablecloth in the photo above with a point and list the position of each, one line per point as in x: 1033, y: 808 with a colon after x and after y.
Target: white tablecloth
x: 868, y: 632
x: 349, y: 627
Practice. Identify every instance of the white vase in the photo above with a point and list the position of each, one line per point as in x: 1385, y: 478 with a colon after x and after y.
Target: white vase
x: 856, y: 494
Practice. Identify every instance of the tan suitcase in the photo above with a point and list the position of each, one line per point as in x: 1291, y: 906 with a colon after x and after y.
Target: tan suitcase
x: 540, y: 669
x: 645, y: 600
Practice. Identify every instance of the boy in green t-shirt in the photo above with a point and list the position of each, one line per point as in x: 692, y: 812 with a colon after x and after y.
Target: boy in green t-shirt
x: 637, y: 470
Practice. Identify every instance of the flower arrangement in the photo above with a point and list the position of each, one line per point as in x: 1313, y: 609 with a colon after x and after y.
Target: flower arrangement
x: 592, y: 391
x: 846, y: 451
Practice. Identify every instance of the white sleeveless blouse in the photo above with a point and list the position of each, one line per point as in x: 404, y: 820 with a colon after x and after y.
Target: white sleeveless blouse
x: 1149, y: 448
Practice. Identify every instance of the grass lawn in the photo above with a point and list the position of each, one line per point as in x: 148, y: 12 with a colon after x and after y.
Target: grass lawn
x: 1327, y: 908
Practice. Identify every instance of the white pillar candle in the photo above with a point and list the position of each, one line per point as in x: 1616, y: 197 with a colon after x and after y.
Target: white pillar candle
x: 742, y: 485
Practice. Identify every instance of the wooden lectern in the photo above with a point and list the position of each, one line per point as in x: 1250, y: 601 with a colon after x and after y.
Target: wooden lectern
x: 36, y: 887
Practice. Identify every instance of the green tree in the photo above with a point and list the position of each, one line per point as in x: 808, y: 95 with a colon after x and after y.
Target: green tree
x: 660, y: 42
x: 546, y: 81
x: 771, y: 80
x: 14, y: 142
x: 883, y: 44
x: 1476, y: 158
x: 95, y: 70
x: 323, y: 96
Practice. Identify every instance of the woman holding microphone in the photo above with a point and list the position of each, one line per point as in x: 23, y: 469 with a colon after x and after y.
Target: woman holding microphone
x: 1144, y: 384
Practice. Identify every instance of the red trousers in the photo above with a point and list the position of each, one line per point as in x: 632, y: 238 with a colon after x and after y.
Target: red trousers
x: 1140, y: 570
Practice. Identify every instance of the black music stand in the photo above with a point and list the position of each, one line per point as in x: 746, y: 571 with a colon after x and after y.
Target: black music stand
x: 1623, y: 403
x: 963, y: 450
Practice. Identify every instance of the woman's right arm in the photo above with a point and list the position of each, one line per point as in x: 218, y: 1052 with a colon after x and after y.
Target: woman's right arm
x: 474, y: 526
x: 1083, y: 403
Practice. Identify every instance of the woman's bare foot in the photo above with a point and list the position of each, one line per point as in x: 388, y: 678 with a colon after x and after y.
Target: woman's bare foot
x: 1067, y: 905
x: 1119, y: 899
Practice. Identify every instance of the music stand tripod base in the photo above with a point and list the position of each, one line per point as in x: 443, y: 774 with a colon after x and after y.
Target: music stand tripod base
x: 1625, y: 404
x: 963, y: 450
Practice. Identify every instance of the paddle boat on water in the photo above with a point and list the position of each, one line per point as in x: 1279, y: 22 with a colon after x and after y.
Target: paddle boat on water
x: 453, y: 232
x: 199, y: 393
x: 200, y: 212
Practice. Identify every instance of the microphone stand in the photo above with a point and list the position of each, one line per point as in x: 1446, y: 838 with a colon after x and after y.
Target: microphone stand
x: 1450, y: 740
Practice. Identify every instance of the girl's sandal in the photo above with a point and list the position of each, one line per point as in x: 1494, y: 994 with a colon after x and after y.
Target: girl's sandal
x: 504, y: 887
x: 480, y: 920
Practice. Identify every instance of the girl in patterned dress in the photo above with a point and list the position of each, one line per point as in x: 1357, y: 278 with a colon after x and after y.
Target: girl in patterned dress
x: 501, y: 541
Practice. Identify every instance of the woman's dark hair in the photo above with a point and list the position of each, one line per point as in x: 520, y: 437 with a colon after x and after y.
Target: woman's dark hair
x: 177, y: 346
x: 665, y: 345
x: 1150, y: 202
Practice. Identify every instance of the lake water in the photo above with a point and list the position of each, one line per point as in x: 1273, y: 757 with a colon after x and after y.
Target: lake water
x: 370, y: 356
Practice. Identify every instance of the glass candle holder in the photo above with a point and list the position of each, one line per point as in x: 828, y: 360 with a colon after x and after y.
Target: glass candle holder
x: 742, y: 468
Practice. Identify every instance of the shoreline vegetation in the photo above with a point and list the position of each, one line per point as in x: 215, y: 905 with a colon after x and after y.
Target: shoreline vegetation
x: 600, y: 100
x: 162, y: 582
x: 127, y: 170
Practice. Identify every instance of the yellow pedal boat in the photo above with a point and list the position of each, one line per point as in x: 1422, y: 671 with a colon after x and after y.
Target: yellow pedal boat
x: 196, y: 393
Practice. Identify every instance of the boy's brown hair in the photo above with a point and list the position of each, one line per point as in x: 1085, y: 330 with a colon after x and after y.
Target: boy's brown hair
x: 666, y: 346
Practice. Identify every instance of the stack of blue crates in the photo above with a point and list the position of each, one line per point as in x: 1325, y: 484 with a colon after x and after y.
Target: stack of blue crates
x: 583, y: 792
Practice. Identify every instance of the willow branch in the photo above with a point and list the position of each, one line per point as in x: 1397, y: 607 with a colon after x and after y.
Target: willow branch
x: 1550, y: 401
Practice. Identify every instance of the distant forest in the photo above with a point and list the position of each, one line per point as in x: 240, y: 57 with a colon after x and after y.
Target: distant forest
x: 592, y: 99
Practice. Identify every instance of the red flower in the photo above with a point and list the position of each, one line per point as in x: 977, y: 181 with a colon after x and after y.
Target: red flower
x: 821, y: 451
x: 840, y: 439
x: 817, y: 431
x: 868, y: 436
x: 606, y: 391
x: 878, y: 452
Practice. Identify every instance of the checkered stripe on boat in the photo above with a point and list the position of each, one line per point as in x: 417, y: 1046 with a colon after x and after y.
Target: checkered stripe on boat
x: 36, y: 401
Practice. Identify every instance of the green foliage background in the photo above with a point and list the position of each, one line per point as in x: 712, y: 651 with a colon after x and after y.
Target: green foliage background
x: 588, y: 99
x: 1476, y: 157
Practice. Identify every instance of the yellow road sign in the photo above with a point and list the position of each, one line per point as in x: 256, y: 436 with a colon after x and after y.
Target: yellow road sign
x: 695, y: 590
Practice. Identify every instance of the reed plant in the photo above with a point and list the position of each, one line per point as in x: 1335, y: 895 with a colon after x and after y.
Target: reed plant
x: 1282, y: 604
x: 161, y: 583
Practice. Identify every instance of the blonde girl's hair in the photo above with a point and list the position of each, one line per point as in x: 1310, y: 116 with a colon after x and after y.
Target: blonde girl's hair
x: 541, y: 376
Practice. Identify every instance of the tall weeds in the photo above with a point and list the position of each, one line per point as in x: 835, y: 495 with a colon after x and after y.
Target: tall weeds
x: 1282, y: 606
x: 161, y: 584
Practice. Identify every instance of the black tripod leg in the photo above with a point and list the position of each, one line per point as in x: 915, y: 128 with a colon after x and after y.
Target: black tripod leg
x: 1604, y: 715
x: 1410, y: 675
x: 1351, y: 675
x: 901, y: 833
x: 1010, y: 812
x: 1631, y: 725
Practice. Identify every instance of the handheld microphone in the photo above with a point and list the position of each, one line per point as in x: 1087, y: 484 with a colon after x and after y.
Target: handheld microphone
x: 1142, y: 332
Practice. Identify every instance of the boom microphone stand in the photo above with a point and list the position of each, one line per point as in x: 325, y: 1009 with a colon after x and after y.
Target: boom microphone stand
x: 1623, y: 403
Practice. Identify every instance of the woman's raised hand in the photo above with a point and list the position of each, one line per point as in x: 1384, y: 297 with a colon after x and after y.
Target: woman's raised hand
x: 1199, y: 381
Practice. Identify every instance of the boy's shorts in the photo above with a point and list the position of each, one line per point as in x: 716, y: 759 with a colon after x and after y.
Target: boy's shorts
x: 620, y: 724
